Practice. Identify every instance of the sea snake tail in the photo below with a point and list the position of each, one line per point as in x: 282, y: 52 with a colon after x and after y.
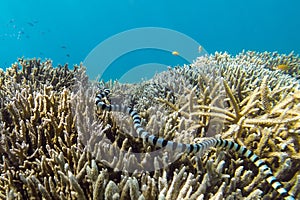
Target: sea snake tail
x: 193, y: 148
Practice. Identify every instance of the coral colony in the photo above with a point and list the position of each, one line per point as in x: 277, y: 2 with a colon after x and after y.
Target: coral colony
x: 223, y: 127
x: 192, y: 148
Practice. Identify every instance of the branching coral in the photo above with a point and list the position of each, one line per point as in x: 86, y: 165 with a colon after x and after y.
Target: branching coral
x: 192, y: 148
x: 56, y: 145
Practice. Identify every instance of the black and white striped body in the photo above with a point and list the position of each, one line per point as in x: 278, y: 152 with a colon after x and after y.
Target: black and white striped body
x: 193, y: 148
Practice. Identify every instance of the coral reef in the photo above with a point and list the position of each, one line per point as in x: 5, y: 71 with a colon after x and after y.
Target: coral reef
x: 55, y: 144
x: 272, y: 60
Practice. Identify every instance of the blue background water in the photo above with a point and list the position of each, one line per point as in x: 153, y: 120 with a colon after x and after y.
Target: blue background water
x: 67, y: 30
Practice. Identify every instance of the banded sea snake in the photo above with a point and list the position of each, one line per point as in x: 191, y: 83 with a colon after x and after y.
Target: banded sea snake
x: 192, y: 148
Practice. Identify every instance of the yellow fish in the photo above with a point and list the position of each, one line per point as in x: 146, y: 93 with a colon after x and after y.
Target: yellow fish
x: 282, y: 67
x: 175, y: 53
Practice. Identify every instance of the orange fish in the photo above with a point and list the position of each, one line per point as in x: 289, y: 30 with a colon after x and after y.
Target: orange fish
x: 175, y: 53
x: 282, y: 67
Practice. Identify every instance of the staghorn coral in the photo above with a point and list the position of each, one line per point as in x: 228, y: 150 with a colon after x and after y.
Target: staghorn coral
x: 271, y: 60
x: 56, y: 145
x: 245, y: 113
x: 192, y: 148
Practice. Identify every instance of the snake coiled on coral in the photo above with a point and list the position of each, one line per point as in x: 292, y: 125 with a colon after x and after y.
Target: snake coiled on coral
x: 193, y: 148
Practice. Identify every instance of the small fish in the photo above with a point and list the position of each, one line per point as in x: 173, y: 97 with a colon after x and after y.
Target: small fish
x: 68, y: 55
x: 30, y: 23
x: 63, y: 47
x: 200, y: 49
x: 282, y: 67
x: 19, y: 35
x: 175, y: 53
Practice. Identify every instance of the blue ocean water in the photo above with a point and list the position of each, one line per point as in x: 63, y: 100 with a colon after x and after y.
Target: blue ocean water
x: 67, y: 31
